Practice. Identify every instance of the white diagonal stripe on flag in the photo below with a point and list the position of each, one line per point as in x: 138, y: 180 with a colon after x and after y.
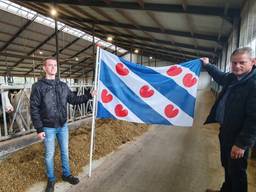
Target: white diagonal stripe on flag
x: 110, y: 106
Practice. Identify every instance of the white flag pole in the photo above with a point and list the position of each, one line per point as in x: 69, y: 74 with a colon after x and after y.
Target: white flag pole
x: 94, y: 108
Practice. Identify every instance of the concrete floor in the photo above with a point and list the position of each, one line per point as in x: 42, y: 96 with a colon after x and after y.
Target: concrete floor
x: 165, y: 159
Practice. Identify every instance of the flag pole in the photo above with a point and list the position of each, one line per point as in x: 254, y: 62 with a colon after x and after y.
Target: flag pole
x: 94, y: 109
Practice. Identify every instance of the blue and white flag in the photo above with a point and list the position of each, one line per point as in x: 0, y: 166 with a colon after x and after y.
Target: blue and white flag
x: 151, y: 95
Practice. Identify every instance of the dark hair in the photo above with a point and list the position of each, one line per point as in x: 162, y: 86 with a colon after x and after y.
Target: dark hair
x: 243, y: 50
x: 48, y: 58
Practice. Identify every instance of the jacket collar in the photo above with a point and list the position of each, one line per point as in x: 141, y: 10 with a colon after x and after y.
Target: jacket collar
x: 52, y: 82
x: 245, y: 77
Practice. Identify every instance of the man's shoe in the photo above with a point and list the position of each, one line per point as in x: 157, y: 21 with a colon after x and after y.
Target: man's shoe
x: 50, y: 186
x: 210, y: 190
x: 71, y: 179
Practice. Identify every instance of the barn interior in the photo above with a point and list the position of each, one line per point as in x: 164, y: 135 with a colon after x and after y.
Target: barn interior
x: 147, y: 32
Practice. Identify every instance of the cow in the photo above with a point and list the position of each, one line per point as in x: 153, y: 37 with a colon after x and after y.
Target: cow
x: 5, y: 108
x: 21, y: 120
x: 5, y: 103
x: 15, y: 103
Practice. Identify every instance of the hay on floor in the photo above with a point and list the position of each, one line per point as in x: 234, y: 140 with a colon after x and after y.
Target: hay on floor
x: 26, y: 167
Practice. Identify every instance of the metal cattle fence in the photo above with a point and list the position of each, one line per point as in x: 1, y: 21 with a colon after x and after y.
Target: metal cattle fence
x: 15, y: 114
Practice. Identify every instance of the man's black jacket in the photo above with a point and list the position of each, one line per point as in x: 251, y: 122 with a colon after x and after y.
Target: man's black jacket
x: 48, y: 103
x: 239, y: 126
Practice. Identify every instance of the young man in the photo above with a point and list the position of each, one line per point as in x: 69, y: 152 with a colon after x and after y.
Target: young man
x: 48, y: 107
x: 235, y: 111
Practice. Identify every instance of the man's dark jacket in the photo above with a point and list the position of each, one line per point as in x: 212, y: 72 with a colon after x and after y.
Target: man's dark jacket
x: 239, y: 124
x: 48, y: 103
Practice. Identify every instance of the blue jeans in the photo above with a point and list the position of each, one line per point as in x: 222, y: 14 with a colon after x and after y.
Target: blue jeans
x: 49, y: 143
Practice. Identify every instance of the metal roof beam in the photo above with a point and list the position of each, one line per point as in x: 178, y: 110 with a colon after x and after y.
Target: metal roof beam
x: 75, y: 65
x: 88, y: 47
x: 13, y: 55
x: 68, y: 45
x: 164, y: 54
x: 92, y: 63
x: 144, y: 28
x: 190, y: 23
x: 175, y: 8
x: 160, y: 41
x: 80, y: 68
x: 110, y: 18
x: 171, y: 50
x: 63, y: 10
x: 37, y: 47
x: 181, y: 45
x: 18, y: 33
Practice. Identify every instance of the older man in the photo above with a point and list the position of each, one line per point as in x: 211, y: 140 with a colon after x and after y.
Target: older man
x: 235, y: 111
x: 48, y: 107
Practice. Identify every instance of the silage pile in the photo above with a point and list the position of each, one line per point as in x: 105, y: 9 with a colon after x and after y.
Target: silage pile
x: 26, y: 167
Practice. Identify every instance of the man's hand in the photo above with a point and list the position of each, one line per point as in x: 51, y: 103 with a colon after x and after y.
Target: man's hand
x: 93, y: 92
x: 236, y: 152
x: 205, y: 60
x: 41, y: 135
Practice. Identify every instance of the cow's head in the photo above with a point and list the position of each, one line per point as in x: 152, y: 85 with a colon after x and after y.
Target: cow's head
x: 7, y: 104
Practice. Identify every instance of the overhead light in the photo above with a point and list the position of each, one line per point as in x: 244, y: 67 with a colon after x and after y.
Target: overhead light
x: 41, y: 52
x: 136, y: 51
x: 77, y: 59
x: 150, y: 57
x: 53, y: 12
x: 109, y: 38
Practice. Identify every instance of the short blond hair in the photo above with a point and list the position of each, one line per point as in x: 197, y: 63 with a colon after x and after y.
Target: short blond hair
x: 48, y: 58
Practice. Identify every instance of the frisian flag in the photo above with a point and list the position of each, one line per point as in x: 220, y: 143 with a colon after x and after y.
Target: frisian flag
x: 152, y: 95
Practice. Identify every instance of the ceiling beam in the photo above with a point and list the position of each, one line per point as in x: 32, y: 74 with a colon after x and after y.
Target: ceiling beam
x: 18, y: 33
x: 164, y: 7
x: 68, y: 45
x: 92, y: 67
x: 134, y: 25
x: 84, y: 49
x: 65, y: 11
x: 189, y: 23
x: 13, y: 55
x: 170, y: 50
x: 72, y: 66
x: 222, y: 22
x: 207, y: 50
x: 143, y: 28
x: 103, y: 35
x: 38, y: 46
x: 160, y: 53
x: 160, y: 41
x: 161, y: 27
x: 104, y: 14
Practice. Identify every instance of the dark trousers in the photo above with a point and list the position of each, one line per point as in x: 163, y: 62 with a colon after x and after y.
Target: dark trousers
x: 235, y: 169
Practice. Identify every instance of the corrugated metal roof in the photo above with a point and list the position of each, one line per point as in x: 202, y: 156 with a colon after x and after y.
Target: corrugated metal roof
x: 173, y: 30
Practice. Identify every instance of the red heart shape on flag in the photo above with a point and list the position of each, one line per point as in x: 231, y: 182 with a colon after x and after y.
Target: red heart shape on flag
x: 170, y: 111
x: 189, y: 80
x: 120, y: 112
x: 174, y: 70
x: 145, y: 91
x: 121, y: 70
x: 105, y: 96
